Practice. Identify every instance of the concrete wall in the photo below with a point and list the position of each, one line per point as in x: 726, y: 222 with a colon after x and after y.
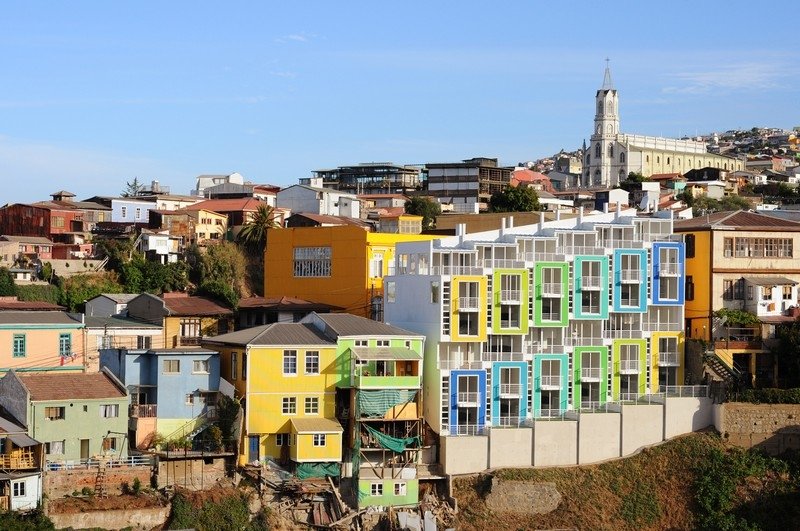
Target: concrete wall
x: 684, y: 415
x: 464, y: 455
x: 555, y: 443
x: 642, y: 425
x: 152, y: 518
x: 192, y: 474
x: 774, y: 428
x: 58, y: 483
x: 509, y: 447
x: 599, y: 437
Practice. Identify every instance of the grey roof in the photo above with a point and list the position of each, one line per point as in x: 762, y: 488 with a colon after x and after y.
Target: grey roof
x: 771, y: 281
x: 119, y: 298
x: 345, y: 324
x: 118, y: 322
x: 386, y: 353
x: 8, y: 426
x: 274, y: 334
x: 36, y: 317
x: 181, y: 351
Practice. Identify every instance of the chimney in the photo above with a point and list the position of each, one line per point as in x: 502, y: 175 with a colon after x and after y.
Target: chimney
x: 605, y: 207
x: 502, y: 226
x: 510, y: 222
x: 558, y: 214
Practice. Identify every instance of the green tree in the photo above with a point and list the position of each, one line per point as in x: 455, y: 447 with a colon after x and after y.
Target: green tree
x: 425, y: 207
x: 132, y: 188
x: 7, y: 285
x: 118, y: 252
x: 514, y: 199
x: 633, y: 181
x: 77, y: 289
x: 221, y: 268
x: 254, y: 233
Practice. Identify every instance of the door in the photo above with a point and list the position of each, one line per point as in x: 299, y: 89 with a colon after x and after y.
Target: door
x: 253, y: 447
x: 84, y: 448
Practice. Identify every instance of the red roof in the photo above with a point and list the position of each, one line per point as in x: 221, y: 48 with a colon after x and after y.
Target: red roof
x: 11, y: 303
x: 665, y: 176
x: 281, y: 303
x: 194, y: 305
x: 62, y: 386
x: 737, y: 219
x: 244, y: 204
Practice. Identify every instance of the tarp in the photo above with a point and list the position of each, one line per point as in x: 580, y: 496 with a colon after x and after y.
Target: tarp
x: 377, y: 403
x: 317, y: 470
x: 394, y: 444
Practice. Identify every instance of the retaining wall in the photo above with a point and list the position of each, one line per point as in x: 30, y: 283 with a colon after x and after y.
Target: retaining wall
x: 58, y: 483
x: 151, y: 518
x: 774, y: 428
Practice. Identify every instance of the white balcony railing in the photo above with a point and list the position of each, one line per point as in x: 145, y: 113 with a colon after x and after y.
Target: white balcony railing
x: 622, y: 334
x: 590, y: 374
x: 469, y: 304
x: 668, y: 269
x: 552, y: 289
x: 513, y: 422
x: 469, y: 398
x: 504, y: 356
x: 510, y: 296
x: 629, y: 367
x: 668, y: 359
x: 449, y: 365
x: 550, y: 382
x: 684, y: 391
x: 590, y: 283
x: 630, y: 276
x: 550, y: 412
x: 457, y: 270
x: 462, y: 430
x: 503, y: 263
x: 551, y: 316
x: 510, y: 389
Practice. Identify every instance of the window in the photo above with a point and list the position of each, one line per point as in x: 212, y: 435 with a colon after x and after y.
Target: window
x: 361, y: 343
x: 312, y: 261
x: 244, y: 365
x: 434, y: 292
x: 622, y: 157
x: 200, y: 367
x: 391, y: 295
x: 727, y: 290
x: 190, y: 327
x: 689, y: 288
x: 189, y: 399
x: 18, y: 488
x: 54, y: 413
x: 689, y: 241
x: 144, y: 342
x: 319, y: 439
x: 234, y: 366
x: 289, y: 362
x: 766, y: 293
x: 65, y: 345
x: 376, y: 489
x: 138, y: 213
x: 54, y: 447
x: 749, y: 293
x: 19, y: 346
x: 312, y: 405
x: 109, y: 444
x: 108, y: 411
x: 399, y: 489
x: 787, y: 293
x: 382, y: 343
x: 289, y: 405
x: 376, y: 266
x: 597, y: 150
x: 738, y: 290
x: 312, y: 362
x: 172, y: 366
x: 283, y: 439
x: 124, y: 212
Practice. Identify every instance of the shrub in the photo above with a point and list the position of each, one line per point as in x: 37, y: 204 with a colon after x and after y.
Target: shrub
x: 771, y: 396
x: 136, y: 489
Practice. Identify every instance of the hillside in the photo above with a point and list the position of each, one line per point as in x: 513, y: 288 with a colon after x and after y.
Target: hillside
x: 653, y: 490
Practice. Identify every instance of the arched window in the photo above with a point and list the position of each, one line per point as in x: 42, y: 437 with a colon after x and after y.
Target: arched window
x: 667, y: 160
x: 621, y: 175
x: 588, y: 159
x: 658, y: 160
x: 611, y: 151
x: 600, y: 107
x: 597, y: 151
x: 622, y: 156
x: 647, y: 158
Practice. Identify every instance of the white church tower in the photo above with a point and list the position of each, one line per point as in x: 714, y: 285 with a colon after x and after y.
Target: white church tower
x: 604, y: 158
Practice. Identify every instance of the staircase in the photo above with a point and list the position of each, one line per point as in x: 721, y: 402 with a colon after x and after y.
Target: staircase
x: 200, y: 423
x: 100, y: 482
x: 721, y: 368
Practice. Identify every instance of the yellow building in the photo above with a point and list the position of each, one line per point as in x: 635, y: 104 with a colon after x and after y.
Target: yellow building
x: 741, y: 261
x: 209, y: 226
x: 342, y: 265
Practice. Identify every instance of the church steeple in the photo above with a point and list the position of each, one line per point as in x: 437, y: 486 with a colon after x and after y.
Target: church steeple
x: 607, y: 83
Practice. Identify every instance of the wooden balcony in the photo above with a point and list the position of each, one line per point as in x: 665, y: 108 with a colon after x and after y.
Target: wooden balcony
x: 18, y: 461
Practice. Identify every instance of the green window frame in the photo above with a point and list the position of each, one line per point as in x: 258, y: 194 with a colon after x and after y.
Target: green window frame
x: 65, y: 345
x: 19, y: 350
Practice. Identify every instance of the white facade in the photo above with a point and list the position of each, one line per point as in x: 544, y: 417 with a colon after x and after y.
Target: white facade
x: 206, y: 181
x: 24, y: 490
x: 307, y: 199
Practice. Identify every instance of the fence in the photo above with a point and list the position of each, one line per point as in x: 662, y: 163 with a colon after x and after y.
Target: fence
x: 111, y: 462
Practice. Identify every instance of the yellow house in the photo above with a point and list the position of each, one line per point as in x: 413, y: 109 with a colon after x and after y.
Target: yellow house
x: 41, y: 341
x: 209, y: 226
x: 340, y: 265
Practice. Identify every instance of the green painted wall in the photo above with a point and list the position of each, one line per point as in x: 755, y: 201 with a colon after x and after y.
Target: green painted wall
x: 615, y: 356
x: 577, y: 361
x: 366, y: 499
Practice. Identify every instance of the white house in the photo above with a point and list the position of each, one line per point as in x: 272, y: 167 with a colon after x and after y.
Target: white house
x: 300, y: 198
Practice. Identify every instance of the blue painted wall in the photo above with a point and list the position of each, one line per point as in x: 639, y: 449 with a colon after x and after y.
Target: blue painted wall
x: 537, y: 371
x: 130, y: 207
x: 656, y: 289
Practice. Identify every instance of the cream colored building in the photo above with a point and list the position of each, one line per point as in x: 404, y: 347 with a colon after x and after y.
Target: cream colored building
x: 611, y: 155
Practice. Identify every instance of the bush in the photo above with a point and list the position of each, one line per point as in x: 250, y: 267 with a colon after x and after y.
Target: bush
x: 136, y: 489
x: 770, y: 396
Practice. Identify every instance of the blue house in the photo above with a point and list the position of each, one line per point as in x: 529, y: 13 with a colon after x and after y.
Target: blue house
x: 125, y: 209
x: 173, y: 391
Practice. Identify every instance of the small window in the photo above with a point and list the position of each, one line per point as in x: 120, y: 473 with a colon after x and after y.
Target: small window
x: 19, y: 346
x: 65, y: 345
x: 434, y: 292
x: 109, y: 444
x: 689, y: 241
x: 689, y: 288
x: 54, y: 447
x: 172, y: 366
x: 391, y: 295
x: 319, y: 439
x: 289, y: 405
x: 382, y: 343
x: 312, y: 362
x: 190, y: 399
x: 312, y: 405
x: 124, y: 212
x: 54, y: 413
x: 400, y: 489
x: 376, y: 489
x: 200, y: 367
x: 289, y: 362
x: 18, y: 488
x: 234, y: 365
x: 108, y: 411
x: 362, y: 342
x: 283, y: 439
x: 144, y: 342
x: 138, y: 213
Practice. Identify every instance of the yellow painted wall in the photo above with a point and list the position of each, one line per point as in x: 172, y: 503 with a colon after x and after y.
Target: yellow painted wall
x: 209, y: 326
x: 454, y: 310
x: 208, y: 223
x: 699, y: 268
x: 304, y: 449
x: 41, y: 348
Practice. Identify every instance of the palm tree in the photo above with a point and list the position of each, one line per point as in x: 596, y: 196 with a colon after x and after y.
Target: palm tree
x: 254, y: 233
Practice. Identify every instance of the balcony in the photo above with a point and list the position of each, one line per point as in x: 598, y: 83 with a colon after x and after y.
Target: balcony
x: 552, y: 289
x: 19, y: 460
x: 453, y: 364
x: 387, y: 381
x: 630, y: 276
x: 510, y: 390
x: 503, y: 263
x: 669, y: 269
x: 510, y: 296
x: 469, y: 399
x: 629, y: 367
x: 513, y: 422
x: 591, y: 374
x: 143, y: 410
x: 457, y: 270
x: 462, y: 430
x: 668, y: 359
x: 189, y: 341
x: 549, y: 382
x: 590, y: 283
x: 469, y: 304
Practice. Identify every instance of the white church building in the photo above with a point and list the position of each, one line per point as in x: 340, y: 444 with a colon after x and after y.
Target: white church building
x: 612, y: 155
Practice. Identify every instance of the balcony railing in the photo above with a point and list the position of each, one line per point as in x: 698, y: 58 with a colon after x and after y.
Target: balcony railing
x: 591, y: 374
x: 448, y: 365
x: 188, y: 341
x: 629, y: 367
x: 668, y: 269
x: 551, y: 316
x: 504, y: 356
x: 668, y: 359
x: 20, y: 461
x: 456, y: 270
x: 513, y: 422
x: 630, y: 276
x: 628, y: 397
x: 582, y: 249
x: 590, y: 283
x: 469, y: 304
x: 552, y: 413
x: 550, y: 382
x: 622, y: 334
x: 469, y: 398
x: 386, y: 381
x: 510, y: 389
x: 143, y: 410
x: 503, y: 263
x: 4, y: 503
x: 510, y: 296
x: 462, y: 430
x: 552, y: 289
x: 584, y: 341
x: 684, y: 391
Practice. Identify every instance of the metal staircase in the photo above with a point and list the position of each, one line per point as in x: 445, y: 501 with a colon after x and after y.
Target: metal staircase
x: 721, y: 368
x: 197, y: 425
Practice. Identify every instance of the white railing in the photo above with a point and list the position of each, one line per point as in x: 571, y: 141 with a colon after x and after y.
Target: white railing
x: 668, y: 359
x: 582, y: 249
x: 510, y: 389
x: 551, y: 316
x: 504, y: 356
x: 622, y: 334
x: 469, y: 304
x: 663, y: 326
x: 591, y: 405
x: 513, y: 422
x: 510, y: 296
x: 628, y: 397
x: 462, y: 430
x: 684, y: 391
x: 552, y: 289
x: 469, y: 397
x: 591, y: 374
x: 668, y: 269
x: 621, y: 244
x: 590, y: 309
x: 547, y: 347
x: 551, y: 413
x: 107, y: 462
x: 457, y: 270
x: 550, y: 382
x: 449, y: 365
x: 503, y: 263
x: 629, y: 366
x: 630, y: 276
x: 590, y: 283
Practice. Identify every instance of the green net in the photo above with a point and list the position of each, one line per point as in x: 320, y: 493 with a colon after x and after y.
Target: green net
x: 317, y: 470
x: 394, y: 444
x: 377, y: 403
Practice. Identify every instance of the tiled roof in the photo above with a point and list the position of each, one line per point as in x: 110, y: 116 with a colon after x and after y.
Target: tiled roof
x: 274, y: 334
x: 737, y: 219
x: 26, y: 239
x: 13, y: 304
x: 227, y: 205
x: 118, y: 323
x: 34, y: 317
x: 325, y: 219
x: 62, y: 386
x: 194, y: 306
x: 283, y: 303
x: 664, y: 176
x: 345, y: 324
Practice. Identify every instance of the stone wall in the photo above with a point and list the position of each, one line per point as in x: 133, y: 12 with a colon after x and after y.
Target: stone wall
x: 152, y: 518
x: 774, y: 428
x: 58, y: 483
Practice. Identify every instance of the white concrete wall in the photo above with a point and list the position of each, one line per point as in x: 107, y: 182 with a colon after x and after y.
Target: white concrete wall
x: 555, y: 442
x: 510, y: 447
x: 598, y: 437
x: 464, y: 455
x: 684, y: 415
x: 642, y: 425
x: 718, y: 416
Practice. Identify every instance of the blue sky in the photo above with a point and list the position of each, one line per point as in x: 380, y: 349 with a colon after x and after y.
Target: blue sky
x: 96, y: 93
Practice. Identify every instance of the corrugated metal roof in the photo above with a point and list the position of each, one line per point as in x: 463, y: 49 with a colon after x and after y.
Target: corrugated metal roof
x: 345, y: 324
x: 118, y: 323
x: 119, y: 298
x: 316, y: 425
x: 194, y: 306
x: 7, y: 426
x: 275, y: 334
x: 34, y: 317
x: 386, y: 353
